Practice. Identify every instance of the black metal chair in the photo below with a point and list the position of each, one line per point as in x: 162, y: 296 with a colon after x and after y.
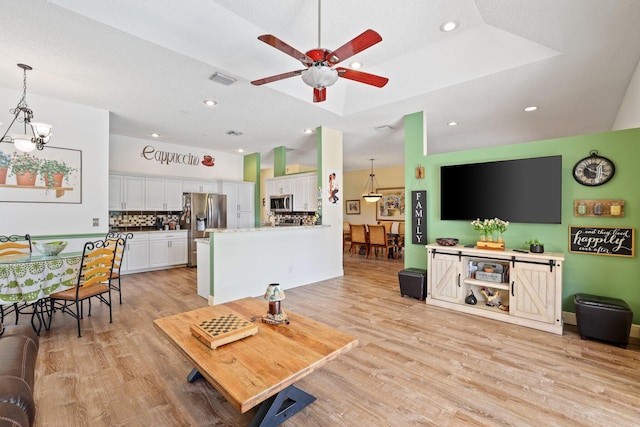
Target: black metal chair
x: 13, y: 245
x: 93, y: 281
x: 122, y: 247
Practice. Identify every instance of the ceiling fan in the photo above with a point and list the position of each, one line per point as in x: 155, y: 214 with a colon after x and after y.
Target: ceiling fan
x: 319, y: 72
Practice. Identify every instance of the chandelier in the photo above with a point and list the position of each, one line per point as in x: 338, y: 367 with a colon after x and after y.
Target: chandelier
x: 40, y: 132
x: 370, y: 196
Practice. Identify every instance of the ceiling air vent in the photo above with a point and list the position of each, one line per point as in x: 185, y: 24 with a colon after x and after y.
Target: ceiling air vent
x: 221, y: 78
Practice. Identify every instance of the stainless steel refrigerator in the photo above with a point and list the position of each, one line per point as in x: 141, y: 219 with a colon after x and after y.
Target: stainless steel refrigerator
x: 199, y: 212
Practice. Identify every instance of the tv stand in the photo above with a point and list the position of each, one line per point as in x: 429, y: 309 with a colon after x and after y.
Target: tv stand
x: 515, y: 287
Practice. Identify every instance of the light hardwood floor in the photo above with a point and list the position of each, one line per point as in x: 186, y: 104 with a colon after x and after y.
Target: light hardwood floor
x: 415, y: 364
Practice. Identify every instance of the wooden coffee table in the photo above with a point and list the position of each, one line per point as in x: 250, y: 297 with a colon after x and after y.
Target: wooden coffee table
x: 259, y: 369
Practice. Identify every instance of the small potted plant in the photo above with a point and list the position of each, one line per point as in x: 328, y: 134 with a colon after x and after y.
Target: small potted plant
x: 5, y: 161
x: 53, y: 171
x: 25, y: 167
x: 535, y: 246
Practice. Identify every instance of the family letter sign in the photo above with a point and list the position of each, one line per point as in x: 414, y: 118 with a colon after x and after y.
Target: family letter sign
x: 617, y: 241
x: 419, y: 217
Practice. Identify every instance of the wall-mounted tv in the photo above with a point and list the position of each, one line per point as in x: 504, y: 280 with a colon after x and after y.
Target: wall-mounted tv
x: 521, y: 190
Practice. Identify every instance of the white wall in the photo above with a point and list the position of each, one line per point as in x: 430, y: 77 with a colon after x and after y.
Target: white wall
x: 332, y: 214
x: 629, y: 112
x: 125, y: 155
x: 245, y: 262
x: 76, y: 127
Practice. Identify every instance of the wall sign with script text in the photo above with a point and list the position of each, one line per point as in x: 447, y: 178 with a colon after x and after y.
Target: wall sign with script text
x: 615, y: 241
x: 419, y: 217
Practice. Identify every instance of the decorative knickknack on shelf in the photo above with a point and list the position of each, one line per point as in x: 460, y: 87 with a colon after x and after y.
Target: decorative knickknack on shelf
x: 535, y: 246
x: 488, y: 228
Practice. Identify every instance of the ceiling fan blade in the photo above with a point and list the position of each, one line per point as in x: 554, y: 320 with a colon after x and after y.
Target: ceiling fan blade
x: 277, y: 77
x: 359, y: 76
x: 319, y: 95
x: 283, y: 47
x: 357, y: 45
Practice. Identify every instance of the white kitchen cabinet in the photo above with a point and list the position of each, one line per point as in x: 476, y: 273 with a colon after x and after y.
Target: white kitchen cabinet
x: 167, y: 249
x: 304, y: 192
x: 136, y: 255
x: 303, y: 187
x: 126, y: 192
x: 200, y: 187
x: 510, y: 286
x: 281, y: 185
x: 163, y: 194
x: 240, y: 204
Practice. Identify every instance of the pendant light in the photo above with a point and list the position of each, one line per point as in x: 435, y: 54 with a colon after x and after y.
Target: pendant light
x: 40, y: 132
x: 371, y: 197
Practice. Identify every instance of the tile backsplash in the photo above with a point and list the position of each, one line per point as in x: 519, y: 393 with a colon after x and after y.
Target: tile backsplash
x: 140, y: 220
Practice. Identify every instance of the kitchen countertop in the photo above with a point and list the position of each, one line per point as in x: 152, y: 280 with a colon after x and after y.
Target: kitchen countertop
x: 148, y: 231
x: 260, y: 229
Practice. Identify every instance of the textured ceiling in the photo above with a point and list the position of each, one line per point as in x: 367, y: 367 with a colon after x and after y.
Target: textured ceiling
x: 148, y: 62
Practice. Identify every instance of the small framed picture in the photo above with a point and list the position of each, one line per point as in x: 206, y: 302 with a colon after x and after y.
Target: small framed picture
x: 353, y: 207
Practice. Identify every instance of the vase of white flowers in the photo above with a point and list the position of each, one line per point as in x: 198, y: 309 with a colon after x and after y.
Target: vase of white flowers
x: 487, y: 228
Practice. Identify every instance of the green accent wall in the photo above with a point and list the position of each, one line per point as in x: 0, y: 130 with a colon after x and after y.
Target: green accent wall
x: 251, y: 173
x: 280, y: 161
x: 612, y: 276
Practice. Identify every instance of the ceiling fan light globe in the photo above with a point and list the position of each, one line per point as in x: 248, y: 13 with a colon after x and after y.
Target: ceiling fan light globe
x: 319, y: 76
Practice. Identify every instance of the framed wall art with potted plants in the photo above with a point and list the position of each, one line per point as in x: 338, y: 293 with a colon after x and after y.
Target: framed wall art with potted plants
x: 51, y: 175
x: 391, y: 206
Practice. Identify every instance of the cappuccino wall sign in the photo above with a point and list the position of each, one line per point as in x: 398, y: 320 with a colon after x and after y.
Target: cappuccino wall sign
x: 167, y: 157
x: 615, y: 241
x: 419, y: 217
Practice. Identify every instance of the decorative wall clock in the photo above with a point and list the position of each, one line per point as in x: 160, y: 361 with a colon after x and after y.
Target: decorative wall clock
x: 594, y: 170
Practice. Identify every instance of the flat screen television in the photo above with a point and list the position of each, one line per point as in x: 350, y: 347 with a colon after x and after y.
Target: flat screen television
x: 521, y: 190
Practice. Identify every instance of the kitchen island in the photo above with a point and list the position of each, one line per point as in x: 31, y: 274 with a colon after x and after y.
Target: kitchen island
x: 242, y: 262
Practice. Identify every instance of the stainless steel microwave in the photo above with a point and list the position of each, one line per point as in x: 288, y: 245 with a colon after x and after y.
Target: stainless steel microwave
x: 281, y: 203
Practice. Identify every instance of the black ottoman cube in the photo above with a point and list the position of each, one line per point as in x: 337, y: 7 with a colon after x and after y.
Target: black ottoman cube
x: 413, y: 283
x: 603, y: 318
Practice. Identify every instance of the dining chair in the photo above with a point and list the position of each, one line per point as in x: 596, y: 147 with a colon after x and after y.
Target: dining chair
x: 346, y: 235
x: 400, y: 241
x: 93, y: 281
x: 378, y: 240
x: 120, y: 251
x: 13, y: 245
x: 359, y: 238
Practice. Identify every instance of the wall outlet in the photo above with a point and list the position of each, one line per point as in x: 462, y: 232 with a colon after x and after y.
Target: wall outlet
x: 96, y: 222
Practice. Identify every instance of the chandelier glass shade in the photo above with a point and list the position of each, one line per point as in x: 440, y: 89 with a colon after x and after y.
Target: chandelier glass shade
x: 38, y: 134
x: 371, y: 196
x: 319, y: 76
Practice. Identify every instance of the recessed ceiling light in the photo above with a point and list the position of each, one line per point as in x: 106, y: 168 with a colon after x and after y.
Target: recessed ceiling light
x: 449, y: 26
x: 155, y: 135
x: 355, y: 65
x: 210, y: 102
x: 383, y: 128
x: 531, y: 108
x: 240, y: 150
x: 307, y: 131
x: 234, y: 133
x: 452, y: 123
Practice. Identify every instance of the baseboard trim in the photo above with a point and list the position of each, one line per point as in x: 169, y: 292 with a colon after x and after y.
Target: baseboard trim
x: 570, y: 319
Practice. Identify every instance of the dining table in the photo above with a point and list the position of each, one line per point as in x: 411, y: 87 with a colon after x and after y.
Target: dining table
x: 32, y: 278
